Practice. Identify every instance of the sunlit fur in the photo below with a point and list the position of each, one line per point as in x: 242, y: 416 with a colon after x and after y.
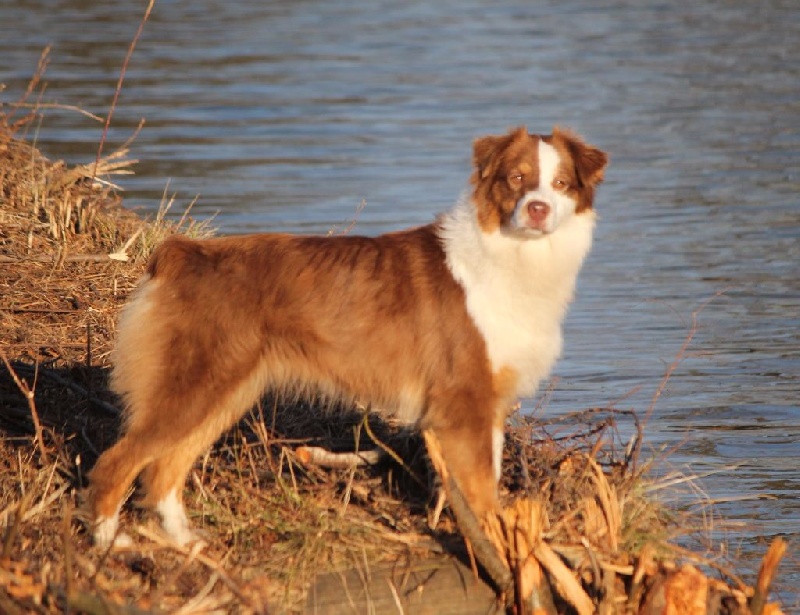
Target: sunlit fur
x: 442, y: 325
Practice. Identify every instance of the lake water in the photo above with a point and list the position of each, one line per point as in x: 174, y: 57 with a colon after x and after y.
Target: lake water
x: 288, y: 115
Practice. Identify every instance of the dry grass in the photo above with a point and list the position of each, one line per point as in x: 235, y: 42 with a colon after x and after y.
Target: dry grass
x: 69, y: 256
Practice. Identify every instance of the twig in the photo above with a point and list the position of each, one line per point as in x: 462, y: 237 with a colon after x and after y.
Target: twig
x: 60, y: 107
x: 72, y: 258
x: 88, y: 361
x: 388, y: 449
x: 353, y: 222
x: 194, y: 553
x: 29, y: 396
x: 568, y: 586
x: 40, y: 68
x: 195, y: 604
x: 36, y: 310
x: 122, y: 253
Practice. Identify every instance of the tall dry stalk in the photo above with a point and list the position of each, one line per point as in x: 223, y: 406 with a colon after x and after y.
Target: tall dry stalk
x: 118, y: 89
x: 677, y: 360
x: 29, y: 396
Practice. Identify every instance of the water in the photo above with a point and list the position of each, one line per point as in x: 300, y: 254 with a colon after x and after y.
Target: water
x: 289, y: 115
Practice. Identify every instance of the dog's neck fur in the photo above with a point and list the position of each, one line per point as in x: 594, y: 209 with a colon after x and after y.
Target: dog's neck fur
x: 517, y: 289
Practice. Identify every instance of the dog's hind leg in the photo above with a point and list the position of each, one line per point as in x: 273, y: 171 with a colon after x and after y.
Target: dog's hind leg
x: 111, y: 478
x: 164, y: 478
x: 163, y: 482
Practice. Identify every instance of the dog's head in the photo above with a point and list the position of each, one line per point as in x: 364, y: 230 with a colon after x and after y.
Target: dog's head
x: 529, y: 185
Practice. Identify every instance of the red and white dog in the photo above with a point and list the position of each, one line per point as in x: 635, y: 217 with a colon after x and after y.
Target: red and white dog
x: 442, y: 326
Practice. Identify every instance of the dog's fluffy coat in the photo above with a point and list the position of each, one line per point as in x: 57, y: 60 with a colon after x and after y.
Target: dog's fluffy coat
x: 443, y: 325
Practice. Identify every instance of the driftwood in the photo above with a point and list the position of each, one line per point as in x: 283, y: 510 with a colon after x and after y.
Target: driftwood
x: 525, y: 574
x: 443, y: 586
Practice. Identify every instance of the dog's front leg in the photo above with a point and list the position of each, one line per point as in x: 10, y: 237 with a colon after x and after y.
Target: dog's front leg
x: 470, y: 441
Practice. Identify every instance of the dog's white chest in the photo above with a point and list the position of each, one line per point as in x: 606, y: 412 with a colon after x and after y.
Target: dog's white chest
x: 517, y: 291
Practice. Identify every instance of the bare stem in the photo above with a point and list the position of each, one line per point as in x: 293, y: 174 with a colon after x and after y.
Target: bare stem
x: 118, y: 89
x: 29, y: 396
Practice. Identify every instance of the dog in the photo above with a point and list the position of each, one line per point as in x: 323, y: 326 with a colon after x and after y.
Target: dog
x: 443, y: 326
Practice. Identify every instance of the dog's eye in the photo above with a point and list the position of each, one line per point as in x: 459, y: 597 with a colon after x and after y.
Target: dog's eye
x: 560, y: 184
x: 515, y: 178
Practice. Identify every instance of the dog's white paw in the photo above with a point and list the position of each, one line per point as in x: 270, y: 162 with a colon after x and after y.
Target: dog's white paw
x: 106, y: 535
x: 174, y: 521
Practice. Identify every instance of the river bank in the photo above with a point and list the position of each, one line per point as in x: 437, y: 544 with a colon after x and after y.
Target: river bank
x: 283, y: 535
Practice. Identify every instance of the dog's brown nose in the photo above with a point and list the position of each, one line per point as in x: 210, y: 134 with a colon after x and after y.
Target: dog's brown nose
x: 538, y: 210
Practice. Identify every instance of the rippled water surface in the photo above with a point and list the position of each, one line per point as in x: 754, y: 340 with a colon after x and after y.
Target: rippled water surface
x: 287, y: 115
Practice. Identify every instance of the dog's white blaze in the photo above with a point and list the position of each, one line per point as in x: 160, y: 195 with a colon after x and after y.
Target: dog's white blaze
x: 561, y: 206
x: 548, y: 166
x: 173, y: 519
x: 498, y: 439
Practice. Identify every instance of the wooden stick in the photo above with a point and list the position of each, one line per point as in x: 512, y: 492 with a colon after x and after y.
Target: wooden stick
x: 766, y: 574
x: 566, y: 583
x: 484, y: 550
x: 339, y: 461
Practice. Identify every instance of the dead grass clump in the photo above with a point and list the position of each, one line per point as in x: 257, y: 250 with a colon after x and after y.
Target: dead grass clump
x: 69, y: 251
x: 587, y: 540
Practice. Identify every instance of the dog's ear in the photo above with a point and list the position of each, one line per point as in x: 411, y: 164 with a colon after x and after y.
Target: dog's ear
x: 590, y: 162
x: 486, y: 150
x: 484, y: 157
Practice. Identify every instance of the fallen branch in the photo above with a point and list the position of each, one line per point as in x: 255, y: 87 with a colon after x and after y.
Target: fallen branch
x: 120, y: 255
x: 483, y: 549
x: 339, y: 461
